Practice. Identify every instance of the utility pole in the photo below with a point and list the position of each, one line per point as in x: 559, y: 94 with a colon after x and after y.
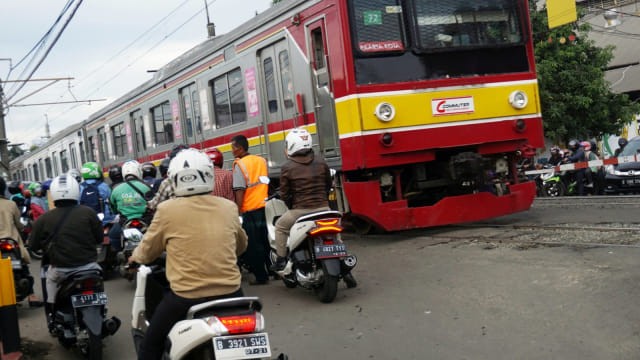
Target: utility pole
x: 4, y: 151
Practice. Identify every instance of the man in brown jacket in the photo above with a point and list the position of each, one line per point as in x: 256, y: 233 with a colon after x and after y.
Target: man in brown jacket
x: 305, y: 182
x: 202, y: 237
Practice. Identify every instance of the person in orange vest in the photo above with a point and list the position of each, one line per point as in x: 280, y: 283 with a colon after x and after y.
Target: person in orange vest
x: 250, y: 194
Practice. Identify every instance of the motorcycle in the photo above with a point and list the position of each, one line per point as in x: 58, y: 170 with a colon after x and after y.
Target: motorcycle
x: 317, y: 258
x: 230, y: 328
x: 107, y: 256
x: 79, y: 315
x: 10, y: 249
x: 553, y: 184
x: 132, y: 232
x: 27, y: 223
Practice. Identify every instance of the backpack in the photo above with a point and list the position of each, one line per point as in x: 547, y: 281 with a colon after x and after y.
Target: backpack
x: 91, y: 197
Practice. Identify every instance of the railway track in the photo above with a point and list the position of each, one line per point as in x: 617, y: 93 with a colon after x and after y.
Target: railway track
x: 600, y: 200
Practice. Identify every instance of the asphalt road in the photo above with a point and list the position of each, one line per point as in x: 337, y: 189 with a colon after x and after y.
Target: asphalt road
x: 419, y: 298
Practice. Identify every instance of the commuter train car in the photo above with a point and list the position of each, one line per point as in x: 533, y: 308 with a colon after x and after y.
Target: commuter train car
x: 423, y: 107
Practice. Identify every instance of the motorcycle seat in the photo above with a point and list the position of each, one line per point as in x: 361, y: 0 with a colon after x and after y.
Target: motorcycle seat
x: 320, y: 215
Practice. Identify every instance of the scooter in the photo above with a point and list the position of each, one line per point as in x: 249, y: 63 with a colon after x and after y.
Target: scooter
x: 132, y: 232
x: 317, y: 258
x: 107, y: 256
x: 79, y: 316
x: 230, y: 328
x: 27, y: 223
x: 10, y: 249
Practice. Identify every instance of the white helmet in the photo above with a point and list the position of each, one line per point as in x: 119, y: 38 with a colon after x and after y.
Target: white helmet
x: 131, y: 168
x: 296, y: 140
x: 191, y: 172
x: 64, y: 187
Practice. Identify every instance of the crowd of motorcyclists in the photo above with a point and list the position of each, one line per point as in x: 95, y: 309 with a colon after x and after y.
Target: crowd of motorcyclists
x: 583, y: 181
x: 205, y: 237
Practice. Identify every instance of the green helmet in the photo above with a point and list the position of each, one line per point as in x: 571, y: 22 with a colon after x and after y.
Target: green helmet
x: 91, y: 170
x: 34, y: 187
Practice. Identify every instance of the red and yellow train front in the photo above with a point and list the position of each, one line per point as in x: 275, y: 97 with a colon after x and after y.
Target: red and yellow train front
x: 441, y: 103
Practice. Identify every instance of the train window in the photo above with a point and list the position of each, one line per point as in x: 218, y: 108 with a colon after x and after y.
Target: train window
x: 74, y: 158
x: 102, y: 145
x: 196, y: 110
x: 191, y: 110
x: 457, y: 23
x: 228, y: 100
x: 163, y: 128
x: 285, y: 77
x: 82, y: 157
x: 378, y: 26
x: 54, y: 163
x: 36, y: 173
x: 64, y: 161
x: 119, y: 136
x: 47, y: 167
x: 138, y: 124
x: 318, y: 49
x: 270, y: 83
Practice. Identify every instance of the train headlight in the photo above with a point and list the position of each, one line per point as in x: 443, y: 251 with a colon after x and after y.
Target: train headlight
x: 518, y: 99
x: 385, y: 112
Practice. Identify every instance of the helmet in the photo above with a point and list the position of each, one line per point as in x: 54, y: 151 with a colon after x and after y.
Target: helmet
x: 64, y: 187
x: 297, y: 140
x: 586, y: 145
x: 622, y: 142
x: 34, y: 187
x: 14, y: 187
x: 191, y: 172
x: 216, y: 157
x: 149, y: 170
x: 131, y: 168
x: 115, y: 174
x: 554, y: 150
x: 573, y: 144
x: 91, y: 170
x: 176, y: 149
x: 75, y: 174
x: 164, y: 167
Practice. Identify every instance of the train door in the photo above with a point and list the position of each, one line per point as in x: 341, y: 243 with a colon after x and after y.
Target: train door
x: 279, y: 90
x: 190, y: 107
x: 325, y: 106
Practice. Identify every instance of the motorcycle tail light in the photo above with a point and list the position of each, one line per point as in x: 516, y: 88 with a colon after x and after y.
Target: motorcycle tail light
x: 236, y: 324
x: 327, y: 241
x: 136, y: 224
x: 89, y: 286
x: 329, y: 226
x: 7, y: 246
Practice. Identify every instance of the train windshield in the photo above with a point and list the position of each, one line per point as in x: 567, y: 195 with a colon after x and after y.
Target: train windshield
x: 430, y: 39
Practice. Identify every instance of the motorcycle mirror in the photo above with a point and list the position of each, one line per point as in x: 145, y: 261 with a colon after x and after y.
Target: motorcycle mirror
x: 332, y: 172
x: 264, y: 180
x: 101, y: 216
x: 240, y: 217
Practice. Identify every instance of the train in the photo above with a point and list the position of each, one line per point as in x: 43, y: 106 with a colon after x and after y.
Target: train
x: 424, y: 108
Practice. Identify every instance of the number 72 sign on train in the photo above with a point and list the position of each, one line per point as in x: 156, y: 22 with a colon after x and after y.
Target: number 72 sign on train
x: 450, y: 106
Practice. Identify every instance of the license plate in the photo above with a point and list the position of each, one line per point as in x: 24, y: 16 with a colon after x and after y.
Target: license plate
x: 89, y: 299
x: 249, y: 346
x: 330, y: 251
x: 631, y: 182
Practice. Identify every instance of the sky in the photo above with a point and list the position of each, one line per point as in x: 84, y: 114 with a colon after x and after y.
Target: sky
x: 107, y: 48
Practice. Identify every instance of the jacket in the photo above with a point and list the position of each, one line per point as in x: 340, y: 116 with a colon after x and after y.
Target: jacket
x: 305, y: 182
x: 246, y: 176
x: 128, y: 202
x: 77, y: 238
x: 10, y: 225
x: 203, y: 237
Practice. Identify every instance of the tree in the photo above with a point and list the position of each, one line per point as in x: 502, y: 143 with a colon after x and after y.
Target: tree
x: 575, y: 97
x: 15, y: 152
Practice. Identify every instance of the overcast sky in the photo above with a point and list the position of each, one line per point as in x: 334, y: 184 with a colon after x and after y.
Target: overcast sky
x: 107, y: 48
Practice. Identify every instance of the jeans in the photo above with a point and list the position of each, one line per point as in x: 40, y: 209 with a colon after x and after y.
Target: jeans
x: 256, y: 257
x: 55, y: 275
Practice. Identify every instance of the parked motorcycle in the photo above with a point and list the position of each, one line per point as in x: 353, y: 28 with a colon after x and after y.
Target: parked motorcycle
x: 80, y: 314
x: 10, y: 249
x: 132, y: 232
x: 317, y: 258
x: 230, y: 328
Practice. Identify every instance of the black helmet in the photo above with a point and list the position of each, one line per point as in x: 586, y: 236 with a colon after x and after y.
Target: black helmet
x: 176, y: 149
x: 574, y: 144
x: 164, y: 167
x: 115, y: 174
x: 14, y: 187
x: 149, y: 170
x: 622, y: 142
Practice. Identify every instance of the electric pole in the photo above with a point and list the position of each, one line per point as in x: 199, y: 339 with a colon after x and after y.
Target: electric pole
x: 4, y: 151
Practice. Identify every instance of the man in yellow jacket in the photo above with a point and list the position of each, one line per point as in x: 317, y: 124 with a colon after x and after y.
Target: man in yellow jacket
x: 202, y: 237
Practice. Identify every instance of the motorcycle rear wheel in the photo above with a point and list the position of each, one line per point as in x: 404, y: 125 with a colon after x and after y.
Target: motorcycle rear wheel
x: 94, y: 351
x: 555, y: 189
x: 328, y: 290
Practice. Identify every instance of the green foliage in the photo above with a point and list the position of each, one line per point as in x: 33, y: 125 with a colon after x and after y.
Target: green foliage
x: 575, y: 97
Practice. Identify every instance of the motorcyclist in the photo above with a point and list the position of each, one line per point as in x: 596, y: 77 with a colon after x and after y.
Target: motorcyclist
x: 165, y: 190
x: 556, y: 156
x: 305, y: 182
x: 38, y: 196
x: 622, y: 142
x: 202, y: 237
x: 115, y: 175
x: 15, y: 192
x: 11, y: 228
x: 577, y: 155
x: 163, y: 167
x: 92, y: 175
x: 68, y: 234
x: 149, y: 172
x: 128, y: 199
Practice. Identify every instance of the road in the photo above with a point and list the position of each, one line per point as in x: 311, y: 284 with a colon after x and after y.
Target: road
x: 420, y: 297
